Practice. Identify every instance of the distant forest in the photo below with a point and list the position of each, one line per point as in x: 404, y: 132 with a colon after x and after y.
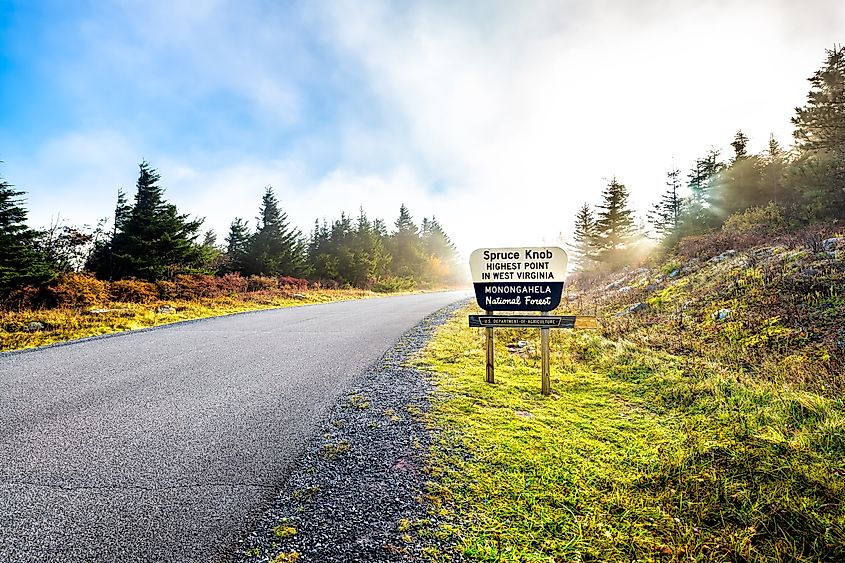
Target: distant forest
x: 149, y: 239
x: 745, y: 194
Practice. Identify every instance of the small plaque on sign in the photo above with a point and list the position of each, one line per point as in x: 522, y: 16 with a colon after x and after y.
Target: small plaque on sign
x: 520, y: 321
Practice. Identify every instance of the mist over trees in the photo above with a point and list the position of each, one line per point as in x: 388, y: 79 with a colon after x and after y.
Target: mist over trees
x: 774, y: 189
x: 150, y: 239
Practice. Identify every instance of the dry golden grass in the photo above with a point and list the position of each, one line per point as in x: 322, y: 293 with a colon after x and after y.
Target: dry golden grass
x: 68, y: 323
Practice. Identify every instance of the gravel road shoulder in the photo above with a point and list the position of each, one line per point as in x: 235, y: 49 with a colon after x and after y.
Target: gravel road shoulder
x: 357, y: 491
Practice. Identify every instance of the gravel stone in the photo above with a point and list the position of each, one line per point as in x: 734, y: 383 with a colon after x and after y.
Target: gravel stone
x: 356, y: 494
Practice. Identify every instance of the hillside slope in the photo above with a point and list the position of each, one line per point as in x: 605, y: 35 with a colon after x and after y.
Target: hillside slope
x: 702, y: 422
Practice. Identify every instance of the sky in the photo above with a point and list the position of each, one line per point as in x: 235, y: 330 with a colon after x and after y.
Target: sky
x: 499, y: 118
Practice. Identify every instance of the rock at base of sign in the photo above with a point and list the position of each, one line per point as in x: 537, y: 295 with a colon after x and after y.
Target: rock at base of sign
x: 722, y: 315
x: 34, y: 326
x: 833, y: 243
x: 166, y: 310
x: 635, y: 308
x: 517, y: 347
x: 299, y: 296
x: 104, y: 311
x: 724, y: 256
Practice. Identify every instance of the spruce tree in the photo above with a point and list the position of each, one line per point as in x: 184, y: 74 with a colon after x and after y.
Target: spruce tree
x: 818, y: 175
x: 153, y: 240
x: 740, y: 145
x: 441, y: 252
x: 772, y: 172
x: 237, y: 246
x: 584, y: 237
x: 820, y: 124
x: 406, y: 246
x: 20, y: 263
x: 615, y: 228
x: 704, y: 186
x: 275, y: 249
x: 665, y: 215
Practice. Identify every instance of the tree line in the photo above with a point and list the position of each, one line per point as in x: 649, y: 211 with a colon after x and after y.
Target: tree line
x: 774, y: 189
x: 150, y: 239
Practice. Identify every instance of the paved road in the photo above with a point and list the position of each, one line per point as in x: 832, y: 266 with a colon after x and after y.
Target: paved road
x: 165, y: 445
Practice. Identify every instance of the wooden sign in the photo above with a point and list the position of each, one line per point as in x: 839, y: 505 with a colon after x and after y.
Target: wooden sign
x: 518, y: 279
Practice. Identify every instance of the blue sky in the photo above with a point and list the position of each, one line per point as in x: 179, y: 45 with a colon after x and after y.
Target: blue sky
x: 514, y: 112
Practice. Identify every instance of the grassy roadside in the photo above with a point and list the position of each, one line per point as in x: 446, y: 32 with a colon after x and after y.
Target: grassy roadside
x: 61, y: 324
x: 638, y: 455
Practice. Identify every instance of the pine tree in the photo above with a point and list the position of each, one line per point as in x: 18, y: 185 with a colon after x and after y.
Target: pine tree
x: 615, y: 228
x: 773, y: 166
x: 665, y: 215
x: 20, y: 263
x: 152, y: 239
x: 237, y: 246
x: 406, y: 247
x: 584, y: 249
x: 818, y: 175
x: 275, y: 248
x: 322, y: 263
x: 212, y: 259
x: 704, y: 186
x: 440, y: 251
x: 740, y: 145
x: 820, y: 124
x: 370, y: 258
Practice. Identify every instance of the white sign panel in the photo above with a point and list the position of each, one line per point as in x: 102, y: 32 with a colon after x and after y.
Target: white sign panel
x: 524, y: 264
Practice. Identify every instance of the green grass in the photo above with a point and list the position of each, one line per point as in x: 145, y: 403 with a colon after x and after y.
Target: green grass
x: 638, y: 455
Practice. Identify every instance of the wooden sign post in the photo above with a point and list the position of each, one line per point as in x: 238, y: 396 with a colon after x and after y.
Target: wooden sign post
x: 490, y: 375
x: 520, y: 279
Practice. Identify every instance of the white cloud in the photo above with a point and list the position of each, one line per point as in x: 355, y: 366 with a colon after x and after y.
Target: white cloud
x: 527, y: 107
x: 498, y: 118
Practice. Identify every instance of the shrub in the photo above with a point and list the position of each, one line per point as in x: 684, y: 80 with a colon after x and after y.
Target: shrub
x: 26, y: 297
x: 261, y: 283
x: 133, y: 291
x: 78, y: 290
x: 392, y: 285
x: 197, y: 286
x: 167, y: 290
x: 288, y: 282
x: 232, y: 283
x: 766, y: 220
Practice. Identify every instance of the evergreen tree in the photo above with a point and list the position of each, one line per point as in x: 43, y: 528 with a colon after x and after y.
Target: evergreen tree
x: 441, y: 252
x: 370, y: 258
x: 615, y: 228
x: 275, y: 248
x: 740, y: 185
x: 237, y: 246
x: 152, y: 239
x: 820, y: 124
x: 406, y: 247
x: 773, y: 167
x: 584, y: 249
x: 817, y: 177
x: 703, y: 185
x: 740, y: 145
x: 321, y: 262
x: 212, y: 259
x: 20, y: 263
x: 665, y: 215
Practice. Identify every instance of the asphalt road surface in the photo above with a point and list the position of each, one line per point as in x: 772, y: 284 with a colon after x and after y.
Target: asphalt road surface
x: 165, y: 445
